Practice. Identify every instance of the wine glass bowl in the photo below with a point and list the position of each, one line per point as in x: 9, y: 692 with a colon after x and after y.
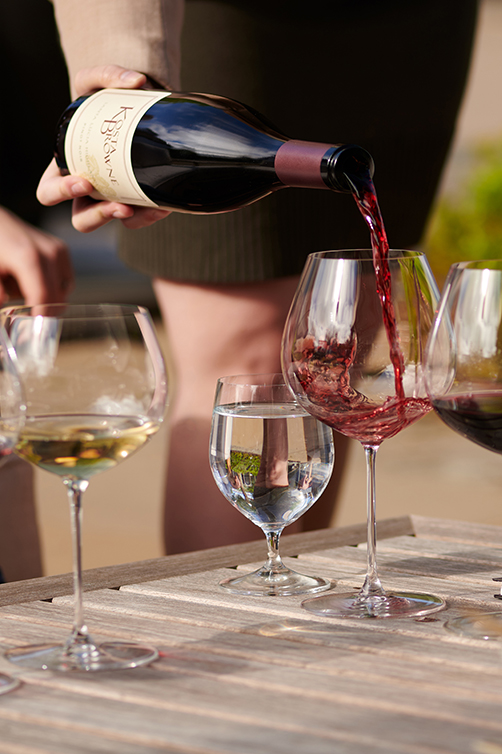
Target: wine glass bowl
x: 96, y: 390
x: 352, y: 353
x: 12, y: 417
x: 463, y: 373
x: 272, y: 461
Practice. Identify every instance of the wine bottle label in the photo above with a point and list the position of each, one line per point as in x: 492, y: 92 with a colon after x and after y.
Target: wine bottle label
x: 99, y: 138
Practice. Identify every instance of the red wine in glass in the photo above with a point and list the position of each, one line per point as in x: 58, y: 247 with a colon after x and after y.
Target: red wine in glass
x: 362, y: 385
x: 362, y: 422
x: 464, y: 377
x: 337, y: 360
x: 477, y: 417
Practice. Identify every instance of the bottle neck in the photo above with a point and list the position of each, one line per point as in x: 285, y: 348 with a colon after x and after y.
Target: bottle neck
x: 306, y: 164
x: 298, y: 163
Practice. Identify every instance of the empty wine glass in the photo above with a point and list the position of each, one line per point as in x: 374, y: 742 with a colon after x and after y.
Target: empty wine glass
x: 464, y: 375
x: 95, y: 388
x: 352, y: 354
x: 272, y: 461
x: 12, y: 413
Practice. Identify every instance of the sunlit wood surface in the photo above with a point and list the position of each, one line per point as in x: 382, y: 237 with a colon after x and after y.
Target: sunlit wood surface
x: 247, y: 675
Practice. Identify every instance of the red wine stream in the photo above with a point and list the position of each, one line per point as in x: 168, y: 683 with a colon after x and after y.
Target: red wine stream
x: 337, y: 403
x: 365, y: 196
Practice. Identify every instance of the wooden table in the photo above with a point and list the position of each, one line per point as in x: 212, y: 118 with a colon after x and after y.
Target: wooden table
x: 260, y: 675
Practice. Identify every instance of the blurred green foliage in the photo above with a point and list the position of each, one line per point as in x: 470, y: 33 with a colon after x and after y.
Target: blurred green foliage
x: 468, y: 224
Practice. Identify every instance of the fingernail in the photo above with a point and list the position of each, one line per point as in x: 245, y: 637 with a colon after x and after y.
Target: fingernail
x: 120, y: 214
x: 79, y: 189
x: 130, y: 77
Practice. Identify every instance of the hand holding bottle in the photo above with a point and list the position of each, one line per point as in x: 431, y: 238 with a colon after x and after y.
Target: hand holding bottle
x: 193, y: 152
x: 88, y: 214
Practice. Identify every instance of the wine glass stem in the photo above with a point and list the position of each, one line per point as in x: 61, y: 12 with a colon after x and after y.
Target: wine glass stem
x: 274, y: 562
x: 372, y: 584
x: 75, y: 490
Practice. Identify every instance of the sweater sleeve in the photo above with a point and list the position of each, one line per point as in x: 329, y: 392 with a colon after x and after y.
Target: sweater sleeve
x: 143, y: 35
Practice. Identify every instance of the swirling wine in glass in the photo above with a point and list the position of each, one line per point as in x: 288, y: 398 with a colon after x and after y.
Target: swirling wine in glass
x: 352, y: 354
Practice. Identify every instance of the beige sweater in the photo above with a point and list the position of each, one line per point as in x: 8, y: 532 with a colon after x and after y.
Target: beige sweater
x: 143, y: 35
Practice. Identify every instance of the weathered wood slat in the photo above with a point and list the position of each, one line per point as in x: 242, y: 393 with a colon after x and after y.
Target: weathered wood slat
x: 166, y: 725
x: 180, y: 728
x: 242, y: 697
x: 168, y: 619
x: 37, y: 736
x: 238, y: 675
x: 245, y: 694
x: 435, y: 548
x: 446, y: 530
x: 347, y: 567
x: 342, y: 564
x: 199, y: 628
x: 253, y: 687
x: 192, y: 562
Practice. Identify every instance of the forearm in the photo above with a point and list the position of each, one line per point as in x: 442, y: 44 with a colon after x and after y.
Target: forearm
x: 143, y: 35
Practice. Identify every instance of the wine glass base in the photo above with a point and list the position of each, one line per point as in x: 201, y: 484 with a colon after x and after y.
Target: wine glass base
x: 394, y: 605
x: 7, y: 683
x: 284, y: 583
x: 487, y: 626
x: 113, y: 655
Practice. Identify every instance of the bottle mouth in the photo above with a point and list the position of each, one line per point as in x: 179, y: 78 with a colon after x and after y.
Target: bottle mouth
x: 346, y: 165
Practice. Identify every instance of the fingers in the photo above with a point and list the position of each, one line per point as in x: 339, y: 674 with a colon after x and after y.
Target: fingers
x: 144, y: 216
x: 44, y: 272
x: 54, y: 188
x: 88, y: 215
x: 108, y: 77
x: 33, y: 263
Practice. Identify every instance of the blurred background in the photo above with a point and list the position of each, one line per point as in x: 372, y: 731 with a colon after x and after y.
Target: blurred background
x: 427, y: 469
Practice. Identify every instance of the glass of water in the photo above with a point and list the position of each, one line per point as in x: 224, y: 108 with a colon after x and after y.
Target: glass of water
x: 272, y: 461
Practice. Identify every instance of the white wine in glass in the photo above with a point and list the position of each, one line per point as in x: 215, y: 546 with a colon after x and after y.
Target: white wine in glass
x: 96, y: 391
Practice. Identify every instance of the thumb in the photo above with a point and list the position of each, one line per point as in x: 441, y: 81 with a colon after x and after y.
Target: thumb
x: 107, y: 77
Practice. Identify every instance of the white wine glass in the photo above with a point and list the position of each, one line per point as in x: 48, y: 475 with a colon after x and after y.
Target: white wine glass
x: 272, y: 461
x: 96, y: 389
x: 12, y: 416
x: 353, y: 355
x: 464, y: 378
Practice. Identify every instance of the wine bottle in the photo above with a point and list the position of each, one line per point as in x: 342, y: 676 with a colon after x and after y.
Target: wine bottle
x: 196, y: 153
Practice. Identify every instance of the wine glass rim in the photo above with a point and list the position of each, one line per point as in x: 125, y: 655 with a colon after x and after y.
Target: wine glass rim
x: 478, y: 264
x: 266, y: 378
x: 363, y: 255
x: 74, y: 311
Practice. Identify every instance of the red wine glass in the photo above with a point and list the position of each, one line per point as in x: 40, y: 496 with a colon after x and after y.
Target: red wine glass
x: 96, y: 390
x: 463, y: 372
x: 353, y: 355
